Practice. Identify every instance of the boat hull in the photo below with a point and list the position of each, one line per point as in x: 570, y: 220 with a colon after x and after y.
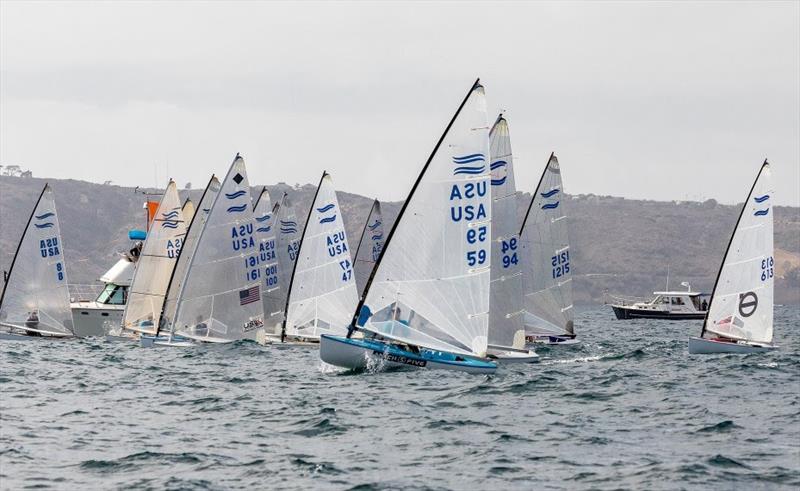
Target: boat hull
x: 702, y: 346
x: 90, y: 319
x: 360, y: 354
x: 625, y: 313
x: 165, y: 342
x: 505, y: 357
x: 551, y: 340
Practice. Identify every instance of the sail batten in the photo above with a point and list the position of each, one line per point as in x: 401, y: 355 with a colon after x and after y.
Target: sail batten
x: 36, y: 297
x: 420, y: 291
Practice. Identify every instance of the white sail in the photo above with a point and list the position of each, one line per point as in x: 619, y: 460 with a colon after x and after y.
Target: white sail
x: 195, y: 226
x: 220, y: 299
x: 742, y: 301
x: 188, y: 211
x: 156, y: 263
x: 431, y: 285
x: 322, y: 291
x: 547, y: 270
x: 369, y: 246
x: 36, y: 297
x: 271, y: 298
x: 506, y: 320
x: 288, y: 232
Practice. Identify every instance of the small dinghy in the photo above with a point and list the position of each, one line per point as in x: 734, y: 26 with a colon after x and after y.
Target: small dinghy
x: 506, y: 304
x: 322, y: 289
x: 158, y: 258
x: 547, y: 273
x: 740, y: 310
x: 219, y: 298
x: 271, y: 298
x: 35, y: 300
x: 426, y: 303
x: 369, y: 247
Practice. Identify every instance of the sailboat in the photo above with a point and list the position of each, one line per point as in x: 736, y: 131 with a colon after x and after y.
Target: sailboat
x: 322, y: 289
x: 740, y: 311
x: 155, y: 266
x: 369, y: 246
x: 506, y: 311
x: 219, y: 300
x: 426, y: 303
x: 35, y: 299
x: 547, y: 273
x: 271, y: 297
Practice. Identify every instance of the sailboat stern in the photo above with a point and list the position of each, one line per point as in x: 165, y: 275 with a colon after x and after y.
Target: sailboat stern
x: 703, y: 346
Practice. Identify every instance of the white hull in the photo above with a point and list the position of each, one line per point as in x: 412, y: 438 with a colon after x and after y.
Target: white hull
x: 552, y: 341
x: 505, y: 357
x: 702, y: 346
x: 165, y: 342
x: 14, y: 336
x: 94, y: 319
x: 360, y: 355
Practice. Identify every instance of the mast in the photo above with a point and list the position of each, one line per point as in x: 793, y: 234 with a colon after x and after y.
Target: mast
x: 260, y: 195
x: 175, y: 268
x: 352, y: 326
x: 19, y: 245
x: 297, y: 257
x: 535, y: 192
x: 728, y: 248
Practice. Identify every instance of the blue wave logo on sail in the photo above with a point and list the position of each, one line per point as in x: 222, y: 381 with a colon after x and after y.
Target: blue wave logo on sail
x: 46, y: 215
x: 761, y: 199
x: 44, y: 225
x: 550, y: 193
x: 462, y: 168
x: 761, y: 213
x: 237, y: 209
x: 263, y: 219
x: 236, y: 194
x: 169, y: 224
x: 328, y: 219
x: 550, y: 206
x: 288, y: 226
x: 325, y: 208
x: 263, y: 229
x: 170, y: 216
x: 375, y: 225
x: 288, y: 230
x: 499, y: 166
x: 377, y: 237
x: 289, y: 223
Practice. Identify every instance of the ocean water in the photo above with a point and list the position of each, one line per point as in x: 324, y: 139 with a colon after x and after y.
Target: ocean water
x: 629, y: 408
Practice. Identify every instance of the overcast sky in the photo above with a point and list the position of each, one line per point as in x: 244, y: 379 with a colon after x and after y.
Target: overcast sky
x: 644, y: 100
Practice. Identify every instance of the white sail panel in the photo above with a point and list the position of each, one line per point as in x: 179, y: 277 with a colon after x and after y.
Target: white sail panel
x: 156, y: 263
x: 506, y: 326
x: 431, y: 286
x: 742, y: 301
x: 547, y: 269
x: 195, y: 226
x: 369, y: 246
x: 220, y: 299
x: 288, y: 232
x: 271, y: 298
x: 188, y: 211
x: 36, y: 296
x: 323, y: 294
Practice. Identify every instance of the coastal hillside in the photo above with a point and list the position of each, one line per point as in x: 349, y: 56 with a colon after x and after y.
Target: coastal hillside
x: 619, y: 245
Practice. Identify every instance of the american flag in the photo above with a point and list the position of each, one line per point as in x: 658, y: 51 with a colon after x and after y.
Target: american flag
x: 249, y: 296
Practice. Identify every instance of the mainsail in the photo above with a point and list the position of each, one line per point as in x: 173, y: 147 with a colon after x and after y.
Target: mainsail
x: 195, y: 226
x: 506, y: 326
x: 36, y: 297
x: 271, y: 297
x: 741, y: 305
x: 322, y: 290
x: 288, y: 233
x: 369, y: 246
x: 188, y: 211
x: 430, y: 287
x: 156, y: 263
x: 220, y: 298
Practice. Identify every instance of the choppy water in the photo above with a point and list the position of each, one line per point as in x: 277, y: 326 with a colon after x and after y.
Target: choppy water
x: 627, y: 409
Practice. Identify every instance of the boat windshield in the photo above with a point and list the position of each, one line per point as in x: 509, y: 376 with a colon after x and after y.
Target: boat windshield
x: 661, y: 300
x: 113, y: 295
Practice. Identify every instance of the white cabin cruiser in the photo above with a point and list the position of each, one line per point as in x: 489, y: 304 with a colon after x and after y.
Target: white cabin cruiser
x: 97, y: 317
x: 669, y: 305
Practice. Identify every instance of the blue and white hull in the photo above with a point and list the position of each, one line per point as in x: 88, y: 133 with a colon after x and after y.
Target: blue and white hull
x: 360, y: 354
x: 703, y: 346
